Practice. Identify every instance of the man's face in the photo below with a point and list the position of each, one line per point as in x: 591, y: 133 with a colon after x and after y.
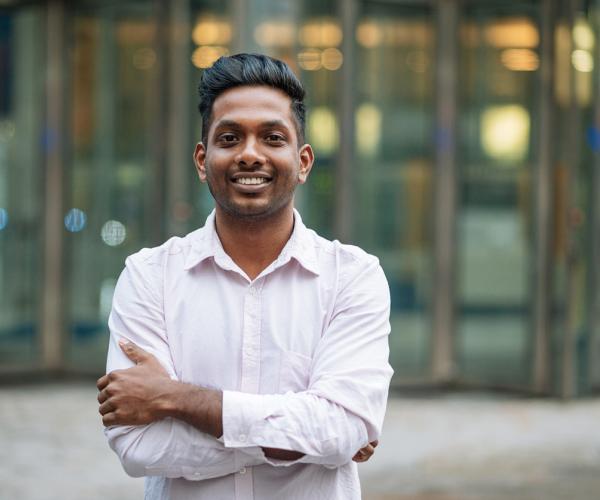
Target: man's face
x: 252, y: 161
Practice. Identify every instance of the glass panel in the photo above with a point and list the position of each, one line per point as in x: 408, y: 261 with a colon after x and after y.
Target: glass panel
x: 592, y: 149
x: 114, y: 207
x: 307, y: 35
x: 210, y: 35
x: 577, y: 140
x: 22, y: 58
x: 498, y: 64
x: 393, y: 172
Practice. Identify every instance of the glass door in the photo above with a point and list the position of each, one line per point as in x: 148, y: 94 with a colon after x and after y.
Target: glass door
x: 22, y: 143
x: 393, y: 167
x: 114, y: 203
x: 498, y: 70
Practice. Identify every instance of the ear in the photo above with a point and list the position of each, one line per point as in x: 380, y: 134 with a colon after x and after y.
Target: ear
x: 307, y: 158
x: 200, y: 161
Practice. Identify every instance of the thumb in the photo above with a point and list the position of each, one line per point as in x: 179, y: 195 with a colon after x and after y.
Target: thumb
x: 132, y: 351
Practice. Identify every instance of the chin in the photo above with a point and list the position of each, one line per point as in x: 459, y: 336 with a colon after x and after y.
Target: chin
x: 252, y: 212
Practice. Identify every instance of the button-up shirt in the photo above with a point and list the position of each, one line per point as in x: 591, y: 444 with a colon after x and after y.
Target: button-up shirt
x: 300, y: 353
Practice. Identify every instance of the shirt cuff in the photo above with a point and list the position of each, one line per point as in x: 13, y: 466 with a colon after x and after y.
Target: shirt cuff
x: 242, y: 416
x: 244, y: 425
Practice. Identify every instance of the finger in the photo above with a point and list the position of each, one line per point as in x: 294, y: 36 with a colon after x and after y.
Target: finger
x: 367, y: 450
x: 102, y: 382
x: 109, y: 419
x: 105, y: 408
x: 102, y: 396
x: 133, y: 352
x: 374, y: 443
x: 360, y: 457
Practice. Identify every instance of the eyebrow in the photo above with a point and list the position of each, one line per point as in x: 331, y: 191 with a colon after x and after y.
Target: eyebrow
x: 228, y: 124
x: 275, y: 123
x: 235, y: 125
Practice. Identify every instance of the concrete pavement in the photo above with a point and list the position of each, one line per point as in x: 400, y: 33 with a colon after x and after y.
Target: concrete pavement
x: 448, y: 447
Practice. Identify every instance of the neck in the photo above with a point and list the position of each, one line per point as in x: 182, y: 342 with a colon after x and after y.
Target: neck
x: 254, y: 244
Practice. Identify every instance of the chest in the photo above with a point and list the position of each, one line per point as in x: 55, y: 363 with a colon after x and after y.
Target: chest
x: 227, y: 333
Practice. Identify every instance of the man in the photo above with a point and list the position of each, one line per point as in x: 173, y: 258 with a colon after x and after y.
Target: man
x: 248, y: 359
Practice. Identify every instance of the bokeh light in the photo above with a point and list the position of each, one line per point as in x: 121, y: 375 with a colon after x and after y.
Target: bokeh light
x: 75, y: 220
x: 205, y: 56
x: 113, y: 233
x: 3, y: 218
x: 505, y: 132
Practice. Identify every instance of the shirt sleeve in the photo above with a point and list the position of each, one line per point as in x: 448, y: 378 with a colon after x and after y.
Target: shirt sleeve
x: 168, y: 447
x: 344, y: 406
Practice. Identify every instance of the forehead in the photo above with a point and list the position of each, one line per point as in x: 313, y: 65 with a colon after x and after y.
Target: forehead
x: 266, y: 103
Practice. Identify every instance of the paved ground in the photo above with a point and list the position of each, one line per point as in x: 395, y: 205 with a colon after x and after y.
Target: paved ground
x: 454, y: 447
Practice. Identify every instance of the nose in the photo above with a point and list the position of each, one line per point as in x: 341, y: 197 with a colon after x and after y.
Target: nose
x: 250, y: 155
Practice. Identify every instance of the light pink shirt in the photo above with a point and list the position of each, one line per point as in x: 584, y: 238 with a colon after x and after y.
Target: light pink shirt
x: 300, y: 352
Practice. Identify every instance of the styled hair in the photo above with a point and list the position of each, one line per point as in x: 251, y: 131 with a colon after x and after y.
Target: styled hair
x: 250, y: 69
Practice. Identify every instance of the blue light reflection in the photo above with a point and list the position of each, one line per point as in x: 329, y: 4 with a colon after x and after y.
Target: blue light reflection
x: 75, y: 220
x: 3, y: 218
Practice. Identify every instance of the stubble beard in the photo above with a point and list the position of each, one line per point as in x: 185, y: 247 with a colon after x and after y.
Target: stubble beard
x: 250, y: 214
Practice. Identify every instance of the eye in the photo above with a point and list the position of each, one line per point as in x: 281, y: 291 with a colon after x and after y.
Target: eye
x: 275, y: 138
x: 228, y: 138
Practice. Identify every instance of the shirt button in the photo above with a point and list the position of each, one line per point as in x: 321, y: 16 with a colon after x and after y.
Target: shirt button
x: 243, y: 470
x: 242, y: 438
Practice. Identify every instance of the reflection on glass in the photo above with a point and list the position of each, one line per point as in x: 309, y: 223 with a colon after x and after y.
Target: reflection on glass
x: 505, y: 132
x: 393, y: 168
x: 498, y: 65
x: 212, y: 35
x: 3, y: 218
x: 368, y: 129
x: 22, y: 70
x: 113, y: 233
x: 307, y: 36
x: 75, y: 220
x: 322, y: 127
x: 114, y: 174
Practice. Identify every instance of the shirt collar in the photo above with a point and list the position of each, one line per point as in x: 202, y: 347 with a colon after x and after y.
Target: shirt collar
x: 206, y: 244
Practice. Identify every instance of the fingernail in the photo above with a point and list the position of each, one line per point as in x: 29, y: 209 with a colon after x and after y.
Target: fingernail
x: 123, y: 342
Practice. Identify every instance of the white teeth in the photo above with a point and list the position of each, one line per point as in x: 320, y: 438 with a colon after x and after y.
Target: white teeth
x: 251, y: 180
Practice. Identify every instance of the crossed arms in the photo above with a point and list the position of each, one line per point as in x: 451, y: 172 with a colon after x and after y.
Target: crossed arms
x: 160, y: 426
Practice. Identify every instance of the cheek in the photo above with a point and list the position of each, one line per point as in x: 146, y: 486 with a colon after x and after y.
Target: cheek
x: 215, y: 163
x: 289, y: 163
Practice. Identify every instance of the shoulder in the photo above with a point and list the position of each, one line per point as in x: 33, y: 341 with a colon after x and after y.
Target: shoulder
x: 344, y: 257
x: 172, y: 252
x: 344, y: 262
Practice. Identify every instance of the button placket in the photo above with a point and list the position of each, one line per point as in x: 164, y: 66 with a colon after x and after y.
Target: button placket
x: 251, y: 339
x: 250, y: 373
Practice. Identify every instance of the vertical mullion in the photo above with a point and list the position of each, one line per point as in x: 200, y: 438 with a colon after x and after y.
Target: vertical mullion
x: 442, y: 353
x: 179, y: 158
x: 52, y: 311
x: 348, y: 12
x: 155, y: 222
x: 594, y: 289
x: 239, y: 14
x: 543, y: 176
x: 568, y: 386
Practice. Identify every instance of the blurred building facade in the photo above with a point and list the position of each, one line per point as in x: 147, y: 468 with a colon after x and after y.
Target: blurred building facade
x: 456, y: 140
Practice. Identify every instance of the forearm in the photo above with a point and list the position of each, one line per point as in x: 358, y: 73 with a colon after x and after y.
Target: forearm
x: 203, y: 409
x: 199, y: 407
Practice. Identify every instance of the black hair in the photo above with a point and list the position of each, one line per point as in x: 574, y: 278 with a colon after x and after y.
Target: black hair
x: 250, y: 69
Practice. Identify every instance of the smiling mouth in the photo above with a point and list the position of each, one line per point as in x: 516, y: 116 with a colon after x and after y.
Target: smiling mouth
x: 251, y: 181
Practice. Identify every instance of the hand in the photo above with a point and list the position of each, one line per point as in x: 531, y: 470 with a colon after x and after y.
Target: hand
x: 137, y: 395
x: 365, y: 453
